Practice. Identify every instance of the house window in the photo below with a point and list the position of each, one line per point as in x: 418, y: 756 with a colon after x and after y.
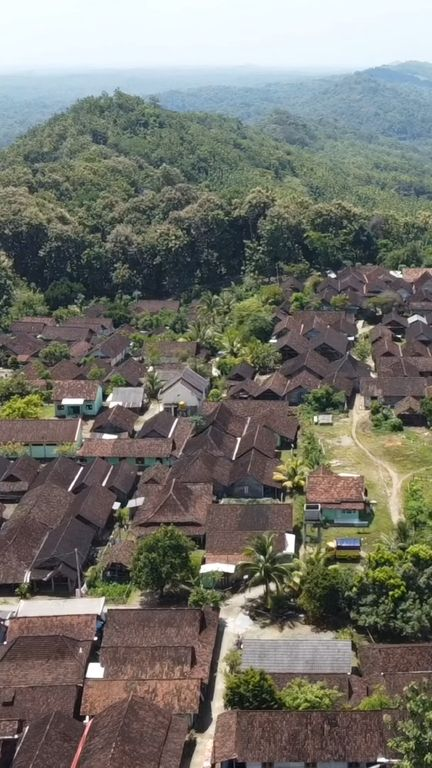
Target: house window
x: 89, y: 406
x: 60, y: 407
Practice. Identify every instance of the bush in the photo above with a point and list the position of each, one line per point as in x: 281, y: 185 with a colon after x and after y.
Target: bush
x: 200, y: 597
x: 114, y: 593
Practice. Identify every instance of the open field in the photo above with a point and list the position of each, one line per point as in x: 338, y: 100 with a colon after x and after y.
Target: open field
x: 343, y: 455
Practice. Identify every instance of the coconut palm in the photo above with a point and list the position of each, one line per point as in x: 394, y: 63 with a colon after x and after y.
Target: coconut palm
x: 264, y: 565
x: 230, y: 343
x: 209, y: 305
x: 153, y: 385
x: 292, y: 475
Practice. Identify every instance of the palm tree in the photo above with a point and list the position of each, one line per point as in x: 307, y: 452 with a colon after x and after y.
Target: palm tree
x: 230, y: 343
x: 153, y: 385
x: 264, y: 565
x: 209, y: 305
x: 198, y: 331
x: 298, y: 569
x: 292, y: 474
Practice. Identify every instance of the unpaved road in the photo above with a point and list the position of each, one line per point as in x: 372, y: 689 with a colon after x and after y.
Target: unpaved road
x: 394, y: 490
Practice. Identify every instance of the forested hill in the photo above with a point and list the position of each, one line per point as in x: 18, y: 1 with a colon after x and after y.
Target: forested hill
x: 118, y: 195
x: 392, y: 101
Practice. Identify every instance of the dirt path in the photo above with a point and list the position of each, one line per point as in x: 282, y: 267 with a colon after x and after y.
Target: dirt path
x: 394, y: 489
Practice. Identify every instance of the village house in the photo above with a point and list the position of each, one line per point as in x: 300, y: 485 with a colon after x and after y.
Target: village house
x: 73, y: 399
x: 114, y: 422
x: 17, y: 478
x: 113, y: 349
x: 139, y: 453
x: 41, y: 437
x: 184, y: 394
x: 341, y: 500
x: 341, y: 739
x: 163, y: 654
x: 231, y: 527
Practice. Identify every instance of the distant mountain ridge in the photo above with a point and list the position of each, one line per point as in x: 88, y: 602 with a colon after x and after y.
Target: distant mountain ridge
x: 393, y: 101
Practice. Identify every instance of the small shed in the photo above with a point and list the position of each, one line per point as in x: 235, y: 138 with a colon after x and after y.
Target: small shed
x: 128, y: 397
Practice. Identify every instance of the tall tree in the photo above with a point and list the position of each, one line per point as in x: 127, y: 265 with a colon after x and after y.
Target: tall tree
x: 265, y: 566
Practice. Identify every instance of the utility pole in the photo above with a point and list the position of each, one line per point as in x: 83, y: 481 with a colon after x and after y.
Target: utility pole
x: 78, y: 568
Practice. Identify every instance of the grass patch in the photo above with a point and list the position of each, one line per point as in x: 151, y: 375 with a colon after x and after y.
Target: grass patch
x: 343, y: 455
x: 48, y: 411
x: 407, y: 451
x: 197, y: 556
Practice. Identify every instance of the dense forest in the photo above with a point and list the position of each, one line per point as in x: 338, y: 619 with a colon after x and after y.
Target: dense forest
x: 392, y: 101
x: 119, y: 195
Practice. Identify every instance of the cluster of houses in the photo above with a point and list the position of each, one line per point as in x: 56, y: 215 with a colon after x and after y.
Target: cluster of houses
x: 83, y: 686
x: 316, y: 346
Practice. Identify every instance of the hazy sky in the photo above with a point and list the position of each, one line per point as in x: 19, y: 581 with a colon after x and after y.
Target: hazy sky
x: 294, y: 33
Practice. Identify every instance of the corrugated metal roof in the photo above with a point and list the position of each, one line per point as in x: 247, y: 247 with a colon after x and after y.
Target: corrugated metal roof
x: 298, y: 656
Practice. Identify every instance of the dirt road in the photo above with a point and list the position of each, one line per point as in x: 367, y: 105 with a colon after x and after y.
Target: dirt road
x: 394, y: 487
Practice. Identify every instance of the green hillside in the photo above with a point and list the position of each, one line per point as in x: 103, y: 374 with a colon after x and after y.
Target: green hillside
x: 118, y: 195
x: 393, y: 102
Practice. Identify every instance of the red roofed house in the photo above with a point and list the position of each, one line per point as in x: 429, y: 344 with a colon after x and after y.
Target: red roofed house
x: 340, y: 499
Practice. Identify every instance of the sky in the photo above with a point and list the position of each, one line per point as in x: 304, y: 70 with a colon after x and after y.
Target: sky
x: 330, y: 34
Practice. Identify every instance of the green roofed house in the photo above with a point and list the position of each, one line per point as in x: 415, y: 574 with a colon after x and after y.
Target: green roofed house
x: 337, y: 499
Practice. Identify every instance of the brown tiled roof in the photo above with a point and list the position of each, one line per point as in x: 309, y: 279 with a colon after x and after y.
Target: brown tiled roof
x: 30, y: 702
x: 242, y: 372
x: 331, y: 338
x: 94, y: 505
x: 117, y: 418
x: 22, y: 345
x: 154, y: 641
x: 67, y: 333
x: 156, y: 627
x: 412, y: 274
x: 131, y: 370
x: 311, y: 361
x: 389, y: 659
x: 48, y: 431
x: 243, y: 389
x: 113, y: 346
x: 159, y: 425
x: 230, y: 527
x: 385, y: 346
x: 261, y: 438
x: 45, y: 503
x: 61, y: 472
x: 212, y: 440
x: 91, y: 474
x: 170, y: 351
x: 126, y: 448
x: 43, y: 660
x: 399, y: 366
x: 407, y: 405
x: 122, y: 478
x: 178, y: 696
x: 394, y: 387
x: 182, y: 504
x: 49, y: 741
x: 276, y: 384
x: 256, y: 466
x: 76, y: 627
x: 277, y: 416
x: 158, y: 474
x: 305, y: 737
x: 325, y: 487
x: 380, y: 332
x: 22, y: 471
x: 122, y: 553
x: 31, y: 325
x: 134, y: 733
x: 79, y: 349
x: 97, y: 324
x: 303, y: 380
x: 66, y: 370
x: 154, y: 306
x: 88, y: 390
